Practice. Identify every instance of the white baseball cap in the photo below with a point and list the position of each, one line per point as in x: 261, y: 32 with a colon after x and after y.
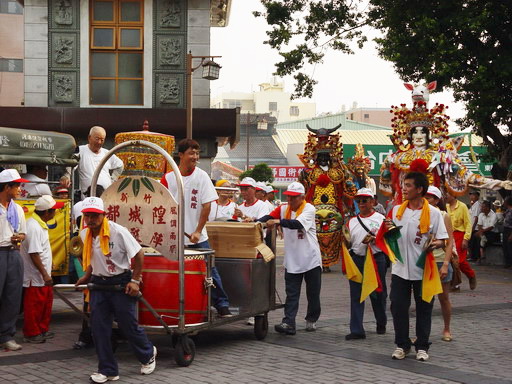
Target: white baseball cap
x: 10, y: 176
x: 260, y: 186
x: 46, y: 202
x: 270, y: 189
x: 295, y: 189
x: 434, y: 191
x: 93, y: 204
x: 366, y: 192
x: 247, y: 182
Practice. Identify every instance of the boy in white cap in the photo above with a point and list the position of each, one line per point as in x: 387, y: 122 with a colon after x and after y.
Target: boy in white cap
x: 37, y: 269
x: 12, y: 232
x: 108, y: 252
x: 363, y: 229
x: 302, y: 259
x: 251, y: 208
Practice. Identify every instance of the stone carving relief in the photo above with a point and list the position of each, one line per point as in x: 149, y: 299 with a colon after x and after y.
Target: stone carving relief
x: 170, y: 51
x: 171, y: 14
x: 169, y: 90
x: 64, y: 50
x: 63, y: 12
x: 63, y: 88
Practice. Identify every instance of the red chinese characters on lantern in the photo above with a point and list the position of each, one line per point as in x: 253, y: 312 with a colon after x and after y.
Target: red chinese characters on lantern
x: 172, y: 248
x: 147, y: 198
x: 172, y: 236
x: 136, y: 234
x: 135, y: 215
x: 158, y: 215
x: 157, y: 239
x: 112, y: 212
x: 124, y: 197
x: 174, y: 223
x: 174, y: 211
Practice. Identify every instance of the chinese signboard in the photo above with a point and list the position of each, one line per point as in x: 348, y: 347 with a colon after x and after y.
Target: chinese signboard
x: 148, y: 210
x: 285, y: 174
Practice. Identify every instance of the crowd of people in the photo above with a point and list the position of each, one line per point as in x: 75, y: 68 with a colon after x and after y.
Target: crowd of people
x: 429, y: 222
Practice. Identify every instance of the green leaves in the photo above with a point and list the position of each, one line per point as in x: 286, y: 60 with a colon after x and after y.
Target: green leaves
x: 135, y: 184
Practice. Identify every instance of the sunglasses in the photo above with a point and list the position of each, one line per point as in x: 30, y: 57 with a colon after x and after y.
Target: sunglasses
x: 362, y: 201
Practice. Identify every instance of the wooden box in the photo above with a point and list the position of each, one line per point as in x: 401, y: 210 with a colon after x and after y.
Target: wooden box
x: 237, y: 240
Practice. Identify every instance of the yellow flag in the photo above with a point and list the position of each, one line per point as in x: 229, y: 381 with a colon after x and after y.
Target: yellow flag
x: 431, y: 284
x: 349, y: 267
x: 370, y: 279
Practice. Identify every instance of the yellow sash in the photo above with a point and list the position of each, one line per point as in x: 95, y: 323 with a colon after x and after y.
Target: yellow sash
x: 104, y: 240
x: 424, y: 218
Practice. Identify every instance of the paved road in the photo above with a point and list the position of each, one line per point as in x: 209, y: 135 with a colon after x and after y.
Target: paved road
x: 480, y: 352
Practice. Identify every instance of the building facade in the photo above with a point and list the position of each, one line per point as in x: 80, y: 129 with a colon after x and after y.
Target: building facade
x: 271, y: 98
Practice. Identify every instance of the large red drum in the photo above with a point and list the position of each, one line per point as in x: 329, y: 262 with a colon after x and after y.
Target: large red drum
x: 160, y: 288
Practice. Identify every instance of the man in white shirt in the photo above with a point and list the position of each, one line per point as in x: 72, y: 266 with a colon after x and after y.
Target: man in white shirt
x: 108, y: 252
x: 37, y: 272
x: 91, y: 155
x: 302, y: 259
x: 363, y: 229
x: 37, y: 176
x: 12, y: 232
x: 474, y: 211
x: 199, y: 193
x: 420, y: 222
x: 486, y: 225
x: 252, y: 208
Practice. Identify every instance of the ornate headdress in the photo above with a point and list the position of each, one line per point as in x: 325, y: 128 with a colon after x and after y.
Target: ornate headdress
x: 405, y: 119
x: 360, y: 160
x: 322, y: 140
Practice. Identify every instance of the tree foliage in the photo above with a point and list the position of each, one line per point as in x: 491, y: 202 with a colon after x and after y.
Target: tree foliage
x: 260, y: 172
x: 466, y: 45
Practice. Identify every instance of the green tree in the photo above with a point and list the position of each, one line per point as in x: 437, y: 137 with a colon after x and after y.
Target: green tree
x: 465, y: 45
x: 260, y: 172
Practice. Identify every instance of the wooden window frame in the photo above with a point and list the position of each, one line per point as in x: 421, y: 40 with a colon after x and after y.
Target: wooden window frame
x: 117, y: 26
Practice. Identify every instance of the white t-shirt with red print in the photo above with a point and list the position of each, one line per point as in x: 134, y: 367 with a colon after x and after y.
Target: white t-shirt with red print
x: 198, y: 190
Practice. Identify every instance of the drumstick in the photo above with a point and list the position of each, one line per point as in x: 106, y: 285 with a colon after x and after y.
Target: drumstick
x: 186, y: 234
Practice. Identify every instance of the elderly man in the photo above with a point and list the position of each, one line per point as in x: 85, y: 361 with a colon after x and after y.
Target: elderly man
x: 420, y: 224
x: 252, y: 208
x: 302, y: 259
x: 363, y: 228
x: 108, y: 252
x: 37, y: 276
x: 91, y: 155
x: 12, y: 232
x: 462, y: 228
x: 224, y: 207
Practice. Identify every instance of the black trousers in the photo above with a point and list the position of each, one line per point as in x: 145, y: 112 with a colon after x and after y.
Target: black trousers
x: 400, y: 297
x: 293, y: 282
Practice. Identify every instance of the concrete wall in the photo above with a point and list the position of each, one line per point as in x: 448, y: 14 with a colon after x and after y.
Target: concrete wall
x: 199, y: 44
x: 377, y: 116
x: 11, y: 47
x: 36, y: 53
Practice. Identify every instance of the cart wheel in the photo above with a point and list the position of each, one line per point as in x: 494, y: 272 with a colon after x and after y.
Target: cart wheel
x: 184, y: 352
x: 261, y: 326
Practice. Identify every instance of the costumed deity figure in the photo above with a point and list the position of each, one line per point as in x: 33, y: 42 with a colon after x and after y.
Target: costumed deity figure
x: 421, y: 138
x: 359, y: 166
x: 329, y: 188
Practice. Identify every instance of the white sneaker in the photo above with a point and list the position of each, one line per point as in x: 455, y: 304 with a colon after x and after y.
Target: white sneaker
x: 101, y: 378
x: 250, y: 321
x: 421, y: 355
x: 150, y: 366
x: 400, y: 353
x: 11, y: 345
x: 310, y: 326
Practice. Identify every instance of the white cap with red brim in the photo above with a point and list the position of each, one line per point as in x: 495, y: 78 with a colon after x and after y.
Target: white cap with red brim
x: 294, y: 189
x: 93, y: 204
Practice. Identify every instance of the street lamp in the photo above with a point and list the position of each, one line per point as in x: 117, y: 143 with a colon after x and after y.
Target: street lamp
x: 210, y: 72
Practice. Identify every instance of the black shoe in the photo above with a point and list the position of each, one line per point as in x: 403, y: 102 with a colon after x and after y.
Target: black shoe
x: 354, y: 336
x: 224, y: 312
x: 381, y: 329
x: 285, y: 328
x: 326, y: 269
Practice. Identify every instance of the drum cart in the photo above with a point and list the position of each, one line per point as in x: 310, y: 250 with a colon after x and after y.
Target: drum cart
x: 249, y: 283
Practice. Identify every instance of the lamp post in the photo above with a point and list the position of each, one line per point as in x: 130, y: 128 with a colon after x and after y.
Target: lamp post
x: 210, y: 72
